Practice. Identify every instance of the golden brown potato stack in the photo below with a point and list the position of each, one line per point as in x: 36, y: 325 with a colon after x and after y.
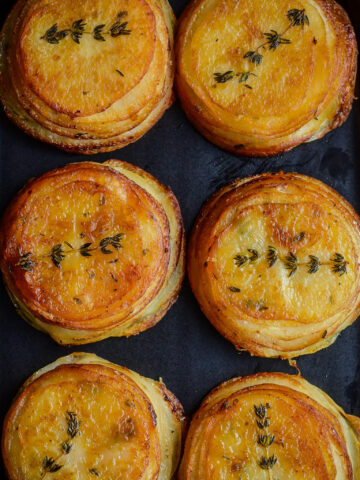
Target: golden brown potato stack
x: 89, y: 76
x: 84, y: 417
x: 93, y: 250
x: 273, y: 261
x: 260, y: 77
x: 270, y: 426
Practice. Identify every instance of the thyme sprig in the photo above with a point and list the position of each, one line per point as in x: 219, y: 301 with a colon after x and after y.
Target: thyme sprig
x: 265, y: 439
x: 273, y: 40
x: 49, y: 464
x: 337, y: 262
x: 230, y: 74
x: 58, y: 253
x: 54, y: 36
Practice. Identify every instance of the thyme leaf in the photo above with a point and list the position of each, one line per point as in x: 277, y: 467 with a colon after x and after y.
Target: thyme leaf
x: 235, y: 289
x: 114, y: 241
x: 291, y: 263
x: 254, y: 57
x: 94, y: 471
x: 240, y: 260
x: 77, y: 30
x: 66, y: 447
x: 224, y: 77
x: 98, y: 32
x: 57, y: 255
x: 244, y: 76
x: 314, y: 264
x: 53, y: 35
x: 339, y: 264
x: 260, y: 411
x: 298, y: 17
x: 49, y: 465
x: 254, y: 255
x: 73, y: 424
x: 267, y: 462
x: 25, y: 263
x: 272, y: 256
x: 274, y: 39
x: 263, y: 424
x: 266, y: 440
x: 85, y: 249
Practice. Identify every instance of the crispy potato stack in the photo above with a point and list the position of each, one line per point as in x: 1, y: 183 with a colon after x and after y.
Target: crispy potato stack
x: 260, y: 77
x: 89, y: 76
x: 93, y: 250
x: 84, y: 417
x: 271, y: 425
x: 274, y: 263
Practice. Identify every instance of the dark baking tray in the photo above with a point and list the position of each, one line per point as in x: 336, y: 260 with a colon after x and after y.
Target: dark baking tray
x: 184, y: 349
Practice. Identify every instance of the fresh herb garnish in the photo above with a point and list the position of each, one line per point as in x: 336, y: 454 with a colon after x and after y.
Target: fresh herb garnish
x: 54, y: 35
x: 265, y: 439
x: 58, y: 253
x: 291, y: 262
x: 273, y: 40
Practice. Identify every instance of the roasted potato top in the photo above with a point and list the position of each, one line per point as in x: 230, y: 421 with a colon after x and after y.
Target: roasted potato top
x: 88, y: 77
x: 60, y: 52
x: 274, y: 263
x: 85, y: 247
x: 271, y: 425
x: 83, y: 417
x: 267, y: 75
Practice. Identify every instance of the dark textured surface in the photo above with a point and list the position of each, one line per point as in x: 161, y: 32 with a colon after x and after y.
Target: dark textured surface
x: 184, y: 349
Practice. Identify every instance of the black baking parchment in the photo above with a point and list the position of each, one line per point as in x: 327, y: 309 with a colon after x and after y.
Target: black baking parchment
x: 184, y: 349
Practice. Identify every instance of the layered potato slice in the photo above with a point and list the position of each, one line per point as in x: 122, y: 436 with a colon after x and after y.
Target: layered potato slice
x: 93, y: 250
x: 274, y: 263
x: 270, y: 426
x: 87, y: 77
x: 83, y: 417
x: 258, y: 78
